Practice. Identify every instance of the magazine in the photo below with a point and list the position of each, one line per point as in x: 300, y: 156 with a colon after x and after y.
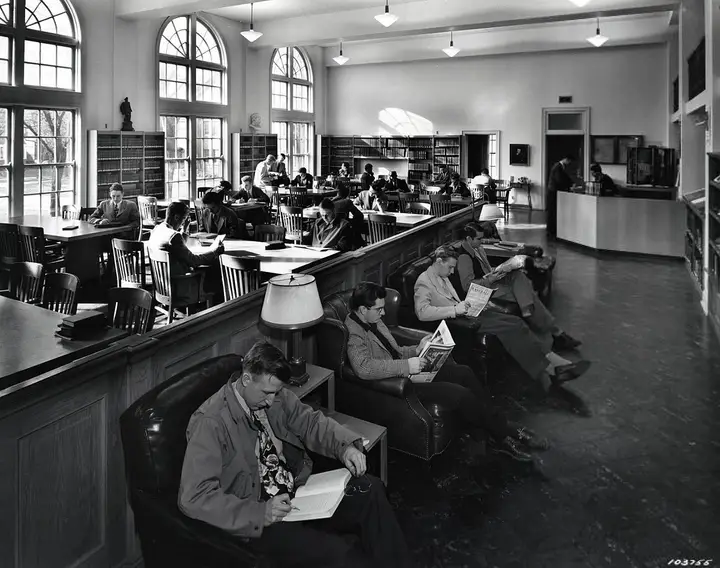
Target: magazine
x: 435, y: 353
x: 478, y: 297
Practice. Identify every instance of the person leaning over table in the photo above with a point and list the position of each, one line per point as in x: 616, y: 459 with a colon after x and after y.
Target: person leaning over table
x: 509, y: 282
x: 455, y: 187
x: 217, y: 218
x: 374, y: 354
x: 303, y: 179
x: 264, y: 177
x: 116, y: 210
x: 444, y: 177
x: 346, y: 209
x: 249, y: 191
x: 170, y: 236
x: 371, y: 199
x: 436, y: 299
x: 331, y: 231
x: 396, y: 184
x: 246, y: 456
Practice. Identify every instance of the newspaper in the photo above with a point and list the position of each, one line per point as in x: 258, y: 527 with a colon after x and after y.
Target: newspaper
x: 435, y: 353
x: 478, y: 297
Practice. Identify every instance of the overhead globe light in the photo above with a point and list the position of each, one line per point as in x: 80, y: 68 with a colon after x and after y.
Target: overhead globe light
x: 386, y: 19
x: 251, y: 35
x: 598, y: 40
x: 580, y: 3
x: 451, y: 51
x: 341, y: 59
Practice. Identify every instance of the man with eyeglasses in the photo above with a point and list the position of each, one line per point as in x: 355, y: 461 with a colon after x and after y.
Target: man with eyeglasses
x: 247, y: 455
x: 374, y: 355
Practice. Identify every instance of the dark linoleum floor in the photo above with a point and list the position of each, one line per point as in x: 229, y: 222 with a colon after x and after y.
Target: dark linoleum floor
x: 633, y: 477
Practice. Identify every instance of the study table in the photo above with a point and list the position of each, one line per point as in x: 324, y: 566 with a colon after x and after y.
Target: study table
x: 403, y: 220
x: 29, y: 346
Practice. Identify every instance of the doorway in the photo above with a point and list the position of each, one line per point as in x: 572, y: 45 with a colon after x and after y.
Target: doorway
x: 480, y: 150
x: 557, y: 146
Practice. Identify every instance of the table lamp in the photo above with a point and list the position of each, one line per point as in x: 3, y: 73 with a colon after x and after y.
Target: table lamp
x: 292, y: 304
x: 491, y: 212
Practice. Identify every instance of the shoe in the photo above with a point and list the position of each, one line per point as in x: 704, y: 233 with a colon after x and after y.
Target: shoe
x: 565, y: 342
x: 565, y: 373
x: 510, y: 448
x: 529, y: 439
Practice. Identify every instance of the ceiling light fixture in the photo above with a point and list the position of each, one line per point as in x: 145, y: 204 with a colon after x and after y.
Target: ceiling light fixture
x: 580, y: 3
x: 251, y: 35
x: 386, y: 18
x: 341, y: 59
x: 598, y: 40
x: 451, y: 51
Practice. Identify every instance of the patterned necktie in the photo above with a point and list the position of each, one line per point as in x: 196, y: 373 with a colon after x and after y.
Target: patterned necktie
x: 116, y: 211
x: 275, y: 477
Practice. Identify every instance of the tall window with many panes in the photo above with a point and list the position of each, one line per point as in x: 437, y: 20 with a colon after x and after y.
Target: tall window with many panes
x: 192, y: 87
x: 39, y: 52
x: 293, y: 117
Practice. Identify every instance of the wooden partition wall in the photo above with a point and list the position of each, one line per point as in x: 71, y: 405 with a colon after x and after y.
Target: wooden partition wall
x: 62, y: 480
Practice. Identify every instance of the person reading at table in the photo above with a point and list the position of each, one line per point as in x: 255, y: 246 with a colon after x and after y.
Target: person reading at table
x: 249, y: 192
x: 247, y: 455
x: 331, y: 231
x: 455, y: 187
x: 488, y: 185
x: 436, y: 299
x: 394, y: 183
x: 344, y: 171
x: 346, y: 209
x: 170, y: 236
x: 303, y: 179
x: 371, y: 199
x: 219, y: 219
x: 443, y: 178
x: 116, y: 210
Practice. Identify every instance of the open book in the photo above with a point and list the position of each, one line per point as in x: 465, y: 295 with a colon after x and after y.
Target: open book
x: 320, y: 496
x: 435, y: 353
x: 478, y: 296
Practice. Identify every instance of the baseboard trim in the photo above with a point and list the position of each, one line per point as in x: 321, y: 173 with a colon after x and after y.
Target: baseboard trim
x: 605, y: 253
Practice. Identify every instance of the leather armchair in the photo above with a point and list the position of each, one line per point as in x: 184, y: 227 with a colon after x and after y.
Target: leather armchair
x: 413, y: 428
x: 153, y: 437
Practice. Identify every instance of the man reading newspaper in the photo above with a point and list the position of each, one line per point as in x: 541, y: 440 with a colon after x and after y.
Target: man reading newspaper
x: 374, y: 355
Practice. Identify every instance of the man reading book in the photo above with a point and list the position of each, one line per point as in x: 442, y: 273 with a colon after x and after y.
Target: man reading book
x: 247, y: 455
x: 374, y: 354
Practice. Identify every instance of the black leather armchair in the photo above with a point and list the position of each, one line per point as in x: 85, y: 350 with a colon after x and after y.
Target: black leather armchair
x: 153, y: 436
x: 422, y: 431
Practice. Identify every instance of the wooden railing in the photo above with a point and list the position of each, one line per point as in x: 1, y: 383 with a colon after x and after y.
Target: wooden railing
x: 62, y: 479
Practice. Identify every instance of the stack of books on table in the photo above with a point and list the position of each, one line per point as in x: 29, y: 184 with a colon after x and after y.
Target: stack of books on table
x: 81, y: 326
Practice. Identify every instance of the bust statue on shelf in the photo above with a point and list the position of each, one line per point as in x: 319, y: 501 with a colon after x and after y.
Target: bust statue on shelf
x: 255, y: 121
x: 126, y: 111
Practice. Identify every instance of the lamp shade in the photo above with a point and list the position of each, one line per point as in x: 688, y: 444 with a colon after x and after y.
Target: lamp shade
x: 291, y: 302
x: 490, y: 213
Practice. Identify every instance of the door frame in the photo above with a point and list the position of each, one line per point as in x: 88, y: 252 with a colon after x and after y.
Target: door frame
x: 585, y: 112
x: 464, y: 150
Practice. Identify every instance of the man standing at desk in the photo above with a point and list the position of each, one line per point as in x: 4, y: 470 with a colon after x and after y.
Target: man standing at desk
x: 559, y: 180
x: 264, y: 177
x: 116, y: 210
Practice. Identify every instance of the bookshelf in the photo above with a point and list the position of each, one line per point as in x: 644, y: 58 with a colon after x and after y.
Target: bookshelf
x: 420, y: 158
x: 694, y: 235
x: 713, y: 219
x: 134, y: 159
x: 446, y: 152
x: 248, y: 150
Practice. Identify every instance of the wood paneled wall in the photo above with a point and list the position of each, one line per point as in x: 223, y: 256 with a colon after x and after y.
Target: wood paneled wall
x: 62, y: 479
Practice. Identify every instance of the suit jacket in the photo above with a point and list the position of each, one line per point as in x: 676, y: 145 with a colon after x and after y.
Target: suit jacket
x: 397, y: 185
x: 559, y: 178
x: 474, y: 265
x: 307, y: 184
x: 435, y: 297
x: 220, y: 480
x: 128, y: 213
x: 369, y: 202
x: 225, y: 222
x: 336, y: 235
x: 346, y: 208
x: 461, y: 188
x: 368, y: 356
x: 366, y: 180
x: 254, y: 193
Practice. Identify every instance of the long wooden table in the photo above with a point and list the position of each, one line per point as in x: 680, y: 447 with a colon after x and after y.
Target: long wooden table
x: 403, y: 220
x: 425, y: 198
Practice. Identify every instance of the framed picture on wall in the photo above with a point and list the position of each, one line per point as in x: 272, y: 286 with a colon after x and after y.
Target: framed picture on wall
x: 519, y: 154
x: 625, y: 142
x: 604, y: 149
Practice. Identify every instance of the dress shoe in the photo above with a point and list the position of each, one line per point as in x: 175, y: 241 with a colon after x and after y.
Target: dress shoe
x: 529, y: 439
x: 565, y: 373
x: 565, y: 342
x: 510, y: 448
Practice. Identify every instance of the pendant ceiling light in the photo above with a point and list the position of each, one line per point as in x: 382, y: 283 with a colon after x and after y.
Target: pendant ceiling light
x: 598, y: 40
x: 341, y: 59
x: 451, y: 51
x: 580, y: 3
x: 386, y: 18
x: 251, y: 35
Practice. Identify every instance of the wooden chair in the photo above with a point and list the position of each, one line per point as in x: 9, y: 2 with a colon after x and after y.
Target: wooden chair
x: 419, y: 208
x: 440, y: 205
x: 404, y: 199
x: 267, y: 233
x: 70, y: 212
x: 130, y: 309
x: 201, y: 191
x: 85, y: 213
x: 298, y: 197
x: 292, y: 219
x: 199, y: 215
x: 164, y: 284
x: 26, y: 280
x: 381, y: 227
x: 148, y: 208
x: 129, y: 257
x: 275, y: 204
x: 9, y: 250
x: 60, y: 293
x: 503, y: 197
x: 34, y: 248
x: 240, y: 276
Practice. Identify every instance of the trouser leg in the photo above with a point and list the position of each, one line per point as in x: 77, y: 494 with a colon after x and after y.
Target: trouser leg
x: 541, y: 319
x: 552, y: 213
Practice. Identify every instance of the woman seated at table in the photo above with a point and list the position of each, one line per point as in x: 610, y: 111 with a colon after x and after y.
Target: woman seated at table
x: 116, y: 210
x: 170, y: 236
x: 303, y: 179
x: 455, y: 187
x: 331, y: 231
x: 216, y: 218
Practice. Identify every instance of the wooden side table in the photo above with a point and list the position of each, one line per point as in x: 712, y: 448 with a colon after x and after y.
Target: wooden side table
x: 318, y: 377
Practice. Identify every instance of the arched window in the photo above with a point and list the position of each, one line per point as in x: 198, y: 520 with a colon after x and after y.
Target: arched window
x: 192, y: 69
x: 39, y: 53
x: 293, y: 118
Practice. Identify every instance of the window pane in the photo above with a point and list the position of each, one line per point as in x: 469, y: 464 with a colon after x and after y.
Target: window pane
x: 206, y: 46
x: 32, y: 74
x: 279, y: 95
x: 299, y: 67
x: 300, y: 97
x: 174, y: 40
x: 4, y: 182
x: 4, y: 208
x: 280, y: 62
x: 31, y: 182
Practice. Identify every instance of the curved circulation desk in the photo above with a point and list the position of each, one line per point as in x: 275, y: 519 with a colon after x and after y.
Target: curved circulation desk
x: 625, y: 224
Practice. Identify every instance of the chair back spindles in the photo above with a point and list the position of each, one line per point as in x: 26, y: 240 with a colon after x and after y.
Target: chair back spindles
x: 240, y: 276
x: 129, y: 257
x: 32, y: 244
x: 404, y: 199
x: 381, y: 227
x: 130, y: 309
x: 70, y: 212
x: 440, y: 205
x: 9, y: 245
x: 292, y: 219
x: 160, y: 271
x: 298, y: 197
x: 267, y: 233
x: 201, y: 191
x: 60, y: 293
x: 26, y: 281
x: 419, y: 208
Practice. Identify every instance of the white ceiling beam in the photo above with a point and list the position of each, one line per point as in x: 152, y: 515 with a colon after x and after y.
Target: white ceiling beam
x: 145, y: 9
